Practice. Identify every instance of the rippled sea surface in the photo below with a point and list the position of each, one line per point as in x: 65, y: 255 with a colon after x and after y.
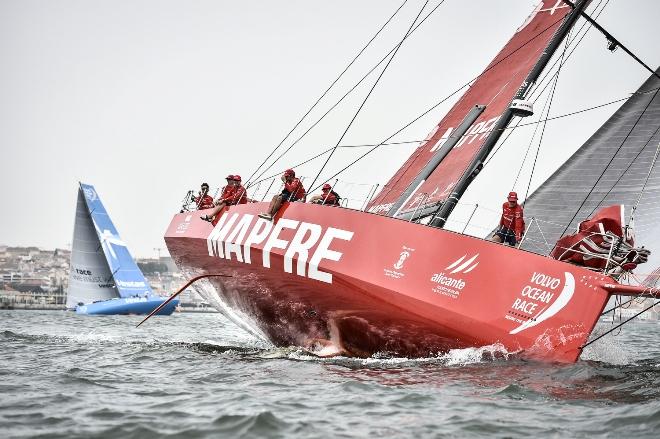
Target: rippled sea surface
x: 197, y: 375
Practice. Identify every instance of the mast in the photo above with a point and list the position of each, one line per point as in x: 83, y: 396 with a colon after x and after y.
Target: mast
x: 441, y: 215
x: 446, y: 148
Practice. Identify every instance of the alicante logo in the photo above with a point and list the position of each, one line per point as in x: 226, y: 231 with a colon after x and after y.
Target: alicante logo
x: 459, y: 266
x: 451, y: 286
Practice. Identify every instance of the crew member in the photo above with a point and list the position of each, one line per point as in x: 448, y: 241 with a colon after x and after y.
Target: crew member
x: 293, y: 191
x: 512, y: 223
x: 203, y: 200
x: 328, y: 197
x: 225, y: 199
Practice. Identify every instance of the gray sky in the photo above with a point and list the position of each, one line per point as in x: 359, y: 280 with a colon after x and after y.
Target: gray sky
x: 147, y: 99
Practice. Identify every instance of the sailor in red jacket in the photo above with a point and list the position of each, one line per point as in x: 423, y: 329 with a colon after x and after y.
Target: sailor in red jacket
x: 233, y: 193
x: 512, y: 223
x: 238, y: 194
x: 293, y: 191
x: 203, y: 200
x: 328, y: 197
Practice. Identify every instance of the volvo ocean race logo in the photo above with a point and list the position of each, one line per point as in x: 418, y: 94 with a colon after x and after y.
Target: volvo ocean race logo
x: 533, y: 304
x: 449, y: 282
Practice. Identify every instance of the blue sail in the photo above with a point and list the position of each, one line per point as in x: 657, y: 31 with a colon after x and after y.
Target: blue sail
x: 129, y: 280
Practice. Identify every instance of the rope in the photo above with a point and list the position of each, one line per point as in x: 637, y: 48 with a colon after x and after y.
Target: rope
x: 655, y: 158
x: 618, y: 326
x: 549, y: 105
x: 346, y: 94
x: 373, y: 87
x: 540, y: 90
x: 326, y: 91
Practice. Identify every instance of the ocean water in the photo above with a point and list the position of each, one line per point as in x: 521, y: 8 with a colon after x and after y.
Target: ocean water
x: 197, y: 375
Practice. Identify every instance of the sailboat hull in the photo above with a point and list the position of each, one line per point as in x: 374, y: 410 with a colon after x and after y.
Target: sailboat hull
x: 364, y: 284
x: 132, y: 305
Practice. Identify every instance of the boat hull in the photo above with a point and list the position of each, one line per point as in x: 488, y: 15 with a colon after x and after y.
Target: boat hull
x: 365, y: 283
x: 132, y: 305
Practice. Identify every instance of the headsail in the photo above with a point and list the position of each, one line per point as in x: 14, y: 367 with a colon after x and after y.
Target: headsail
x: 628, y: 141
x: 494, y: 88
x: 97, y: 244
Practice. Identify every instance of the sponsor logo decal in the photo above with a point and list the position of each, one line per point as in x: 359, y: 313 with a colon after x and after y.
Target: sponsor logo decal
x: 90, y: 194
x: 449, y: 282
x: 534, y: 303
x: 397, y: 273
x: 402, y: 258
x: 236, y: 235
x: 108, y: 240
x: 559, y: 4
x: 181, y: 228
x: 131, y: 284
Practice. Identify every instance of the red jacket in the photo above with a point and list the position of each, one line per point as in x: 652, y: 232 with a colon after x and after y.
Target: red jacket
x: 237, y: 195
x: 512, y: 219
x: 206, y: 202
x: 329, y: 198
x: 296, y: 189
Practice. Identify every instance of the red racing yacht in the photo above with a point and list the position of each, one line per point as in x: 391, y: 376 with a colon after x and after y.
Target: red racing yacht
x: 390, y: 279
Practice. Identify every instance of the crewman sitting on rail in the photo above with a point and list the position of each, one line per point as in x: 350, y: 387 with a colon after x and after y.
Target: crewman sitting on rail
x: 233, y: 193
x: 328, y: 197
x: 293, y: 191
x: 203, y: 200
x: 512, y: 222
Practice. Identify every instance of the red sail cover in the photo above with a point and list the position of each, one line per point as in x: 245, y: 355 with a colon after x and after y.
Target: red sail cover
x: 495, y: 88
x: 592, y: 244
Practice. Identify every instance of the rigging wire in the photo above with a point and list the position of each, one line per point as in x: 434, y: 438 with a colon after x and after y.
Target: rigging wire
x: 373, y: 87
x: 539, y: 90
x: 437, y: 104
x: 618, y: 326
x: 536, y: 89
x: 549, y: 106
x: 623, y: 173
x: 347, y: 93
x: 655, y: 158
x: 326, y: 91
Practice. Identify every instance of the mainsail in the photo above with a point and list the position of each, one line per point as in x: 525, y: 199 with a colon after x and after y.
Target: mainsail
x: 494, y: 88
x: 615, y: 166
x: 101, y: 265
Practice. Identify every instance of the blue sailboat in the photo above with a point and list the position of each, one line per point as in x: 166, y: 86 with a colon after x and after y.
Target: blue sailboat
x: 103, y: 277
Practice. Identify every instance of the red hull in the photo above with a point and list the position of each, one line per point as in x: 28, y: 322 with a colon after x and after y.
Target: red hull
x: 374, y: 284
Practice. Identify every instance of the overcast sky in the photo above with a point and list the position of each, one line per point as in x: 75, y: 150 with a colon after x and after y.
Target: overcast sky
x: 147, y: 99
